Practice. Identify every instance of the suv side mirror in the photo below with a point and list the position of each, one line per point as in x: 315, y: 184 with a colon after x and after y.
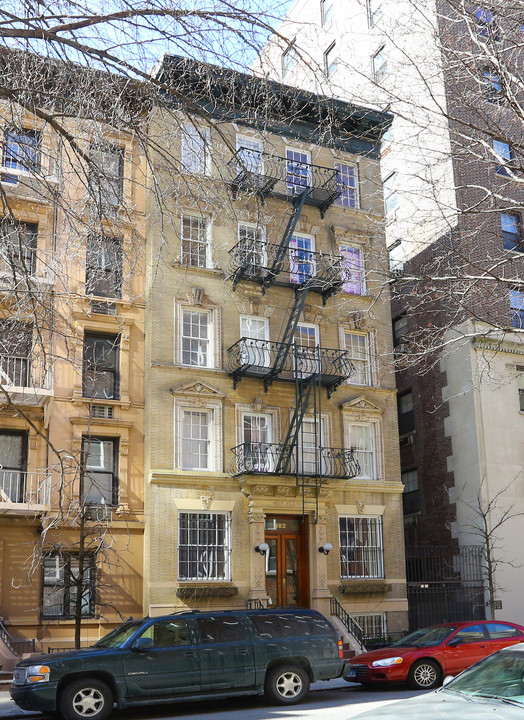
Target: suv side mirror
x: 143, y: 644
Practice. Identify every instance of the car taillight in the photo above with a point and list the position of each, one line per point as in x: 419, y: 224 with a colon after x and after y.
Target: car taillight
x: 340, y: 650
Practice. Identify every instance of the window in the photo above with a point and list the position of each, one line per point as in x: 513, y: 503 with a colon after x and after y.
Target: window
x: 104, y: 266
x: 511, y: 231
x: 326, y: 11
x: 252, y: 249
x: 61, y: 582
x: 197, y: 437
x: 386, y: 142
x: 486, y: 24
x: 13, y: 463
x: 390, y: 195
x: 106, y: 174
x: 100, y: 475
x: 302, y: 258
x: 380, y: 64
x: 257, y: 436
x: 310, y: 440
x: 504, y: 155
x: 255, y: 349
x: 197, y: 331
x: 18, y: 242
x: 168, y: 633
x: 352, y: 270
x: 307, y: 340
x: 406, y: 420
x: 196, y: 248
x: 516, y: 300
x: 100, y: 370
x: 204, y: 546
x: 196, y: 154
x: 361, y: 438
x: 410, y: 498
x: 347, y: 185
x: 361, y: 548
x: 357, y: 347
x: 16, y: 345
x: 250, y: 153
x: 298, y: 170
x: 501, y: 631
x: 330, y: 60
x: 374, y: 8
x: 21, y: 153
x: 220, y: 629
x: 373, y: 626
x: 400, y: 330
x: 493, y: 86
x: 520, y: 385
x: 289, y: 60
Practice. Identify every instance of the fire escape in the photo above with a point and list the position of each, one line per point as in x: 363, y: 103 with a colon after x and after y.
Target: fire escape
x: 310, y: 368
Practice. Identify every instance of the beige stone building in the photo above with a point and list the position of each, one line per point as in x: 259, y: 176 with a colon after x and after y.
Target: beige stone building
x: 71, y: 382
x: 272, y: 470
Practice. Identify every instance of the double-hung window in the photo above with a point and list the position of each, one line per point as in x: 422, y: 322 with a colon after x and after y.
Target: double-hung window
x: 250, y: 155
x: 357, y: 347
x: 410, y: 497
x: 302, y: 257
x: 493, y: 86
x: 504, y: 155
x: 197, y: 338
x: 106, y: 174
x: 204, y: 546
x: 380, y: 64
x: 101, y: 364
x: 327, y: 8
x: 406, y: 415
x: 100, y: 471
x: 18, y: 241
x: 352, y: 270
x: 62, y: 578
x: 257, y: 436
x: 21, y: 153
x: 197, y: 439
x: 13, y: 463
x: 511, y: 231
x: 307, y: 341
x: 256, y: 349
x: 361, y: 439
x: 16, y: 350
x: 361, y: 547
x: 104, y: 266
x: 298, y: 170
x: 196, y: 155
x: 374, y: 10
x: 289, y: 60
x: 516, y: 300
x: 252, y: 249
x: 330, y: 60
x: 390, y: 195
x: 196, y: 247
x: 347, y: 185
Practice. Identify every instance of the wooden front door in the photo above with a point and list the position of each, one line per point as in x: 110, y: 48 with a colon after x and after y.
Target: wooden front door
x: 286, y: 562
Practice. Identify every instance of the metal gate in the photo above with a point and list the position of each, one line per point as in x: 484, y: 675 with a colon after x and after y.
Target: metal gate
x: 444, y: 585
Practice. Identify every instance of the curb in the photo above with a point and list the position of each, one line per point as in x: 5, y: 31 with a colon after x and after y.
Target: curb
x: 8, y: 709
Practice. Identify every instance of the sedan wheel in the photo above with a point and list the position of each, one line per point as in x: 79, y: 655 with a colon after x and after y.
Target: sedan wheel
x: 424, y: 675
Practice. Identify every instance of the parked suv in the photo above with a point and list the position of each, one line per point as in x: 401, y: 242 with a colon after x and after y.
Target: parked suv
x: 182, y: 657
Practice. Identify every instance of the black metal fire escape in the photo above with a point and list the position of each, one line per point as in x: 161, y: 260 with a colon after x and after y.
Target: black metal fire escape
x: 311, y: 369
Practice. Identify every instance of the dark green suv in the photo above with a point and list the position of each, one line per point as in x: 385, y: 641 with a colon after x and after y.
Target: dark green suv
x: 182, y: 657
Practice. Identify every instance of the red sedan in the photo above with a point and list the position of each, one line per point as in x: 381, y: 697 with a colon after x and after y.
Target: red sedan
x: 424, y: 657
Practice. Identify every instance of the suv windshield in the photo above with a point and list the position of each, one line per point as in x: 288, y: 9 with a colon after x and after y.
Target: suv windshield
x: 117, y: 637
x: 496, y: 676
x: 425, y: 637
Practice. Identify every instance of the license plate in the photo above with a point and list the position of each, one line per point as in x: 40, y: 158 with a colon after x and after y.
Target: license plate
x: 352, y: 673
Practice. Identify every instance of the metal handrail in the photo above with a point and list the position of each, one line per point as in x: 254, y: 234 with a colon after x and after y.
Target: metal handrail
x: 345, y: 618
x: 263, y: 458
x: 19, y: 486
x: 16, y: 645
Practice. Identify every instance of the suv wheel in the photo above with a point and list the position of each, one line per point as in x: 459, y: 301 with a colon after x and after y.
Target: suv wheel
x: 286, y: 685
x: 88, y: 699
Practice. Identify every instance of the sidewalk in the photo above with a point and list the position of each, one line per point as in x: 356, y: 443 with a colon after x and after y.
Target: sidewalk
x: 9, y: 710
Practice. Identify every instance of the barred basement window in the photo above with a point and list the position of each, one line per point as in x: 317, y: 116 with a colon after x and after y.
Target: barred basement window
x: 204, y: 546
x: 361, y: 547
x: 101, y: 411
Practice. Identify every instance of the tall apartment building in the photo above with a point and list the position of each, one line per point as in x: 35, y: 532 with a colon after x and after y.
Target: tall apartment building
x: 71, y: 371
x: 271, y: 430
x: 451, y: 170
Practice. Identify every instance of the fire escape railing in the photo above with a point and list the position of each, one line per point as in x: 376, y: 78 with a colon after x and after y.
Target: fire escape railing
x: 281, y: 177
x: 263, y: 458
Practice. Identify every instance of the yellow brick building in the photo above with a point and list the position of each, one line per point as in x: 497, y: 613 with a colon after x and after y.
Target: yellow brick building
x: 272, y: 472
x: 71, y: 381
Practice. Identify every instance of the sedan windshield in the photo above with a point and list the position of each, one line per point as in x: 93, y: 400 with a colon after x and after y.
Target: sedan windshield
x: 117, y: 637
x: 425, y: 637
x: 498, y: 676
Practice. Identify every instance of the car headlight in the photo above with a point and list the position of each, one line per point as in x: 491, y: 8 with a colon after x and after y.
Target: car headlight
x: 37, y: 674
x: 386, y: 662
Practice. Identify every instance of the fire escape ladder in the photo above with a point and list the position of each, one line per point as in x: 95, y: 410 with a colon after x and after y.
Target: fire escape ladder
x: 282, y: 249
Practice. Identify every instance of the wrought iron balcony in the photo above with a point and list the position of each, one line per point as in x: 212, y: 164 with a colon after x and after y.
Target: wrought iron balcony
x: 28, y: 381
x: 283, y: 178
x: 266, y: 458
x: 19, y: 489
x: 253, y: 260
x: 258, y: 359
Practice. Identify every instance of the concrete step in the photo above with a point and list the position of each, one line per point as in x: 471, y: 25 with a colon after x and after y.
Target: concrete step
x: 5, y: 680
x: 347, y: 652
